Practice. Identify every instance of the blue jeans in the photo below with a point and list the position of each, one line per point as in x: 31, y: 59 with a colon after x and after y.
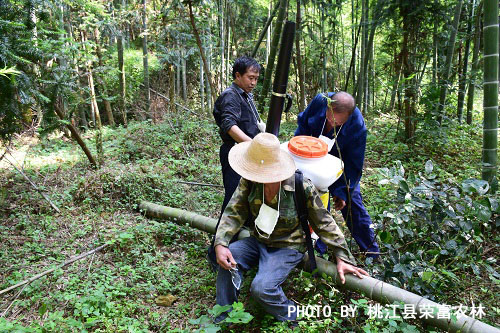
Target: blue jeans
x: 274, y: 266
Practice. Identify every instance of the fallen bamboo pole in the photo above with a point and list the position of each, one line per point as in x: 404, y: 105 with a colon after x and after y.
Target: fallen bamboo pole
x: 372, y: 288
x: 66, y: 263
x: 198, y: 184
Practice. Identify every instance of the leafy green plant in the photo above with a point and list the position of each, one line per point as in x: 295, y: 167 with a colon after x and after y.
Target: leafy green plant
x: 134, y: 72
x: 381, y: 319
x: 238, y: 315
x: 432, y: 224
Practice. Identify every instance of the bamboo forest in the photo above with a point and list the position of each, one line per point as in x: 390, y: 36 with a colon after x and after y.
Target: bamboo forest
x: 249, y: 166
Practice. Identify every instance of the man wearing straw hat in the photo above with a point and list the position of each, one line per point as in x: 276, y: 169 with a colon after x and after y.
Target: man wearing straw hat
x: 276, y: 245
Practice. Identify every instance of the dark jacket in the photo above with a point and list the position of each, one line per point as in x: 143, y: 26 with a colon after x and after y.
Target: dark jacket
x: 233, y: 107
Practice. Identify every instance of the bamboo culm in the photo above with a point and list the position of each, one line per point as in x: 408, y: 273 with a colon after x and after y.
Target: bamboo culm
x: 490, y: 93
x: 274, y: 50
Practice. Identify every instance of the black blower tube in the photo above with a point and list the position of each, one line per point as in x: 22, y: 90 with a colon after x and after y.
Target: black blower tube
x: 281, y: 79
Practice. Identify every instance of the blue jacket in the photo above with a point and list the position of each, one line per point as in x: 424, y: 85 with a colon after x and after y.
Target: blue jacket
x: 351, y: 141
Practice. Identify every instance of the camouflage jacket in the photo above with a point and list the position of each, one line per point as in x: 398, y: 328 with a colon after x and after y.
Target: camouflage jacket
x: 288, y: 231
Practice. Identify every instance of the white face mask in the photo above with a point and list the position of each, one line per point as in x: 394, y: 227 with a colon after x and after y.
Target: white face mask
x: 327, y: 140
x: 267, y: 218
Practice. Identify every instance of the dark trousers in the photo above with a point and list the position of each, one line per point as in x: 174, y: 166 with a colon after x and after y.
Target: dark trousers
x: 230, y: 178
x: 359, y: 223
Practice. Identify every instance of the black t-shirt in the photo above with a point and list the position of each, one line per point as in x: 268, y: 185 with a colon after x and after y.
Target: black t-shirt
x: 235, y: 107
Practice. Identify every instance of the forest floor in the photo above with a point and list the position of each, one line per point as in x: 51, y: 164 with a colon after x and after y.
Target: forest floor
x: 115, y: 289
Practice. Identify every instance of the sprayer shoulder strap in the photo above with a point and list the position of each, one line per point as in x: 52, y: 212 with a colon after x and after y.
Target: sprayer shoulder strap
x: 301, y: 205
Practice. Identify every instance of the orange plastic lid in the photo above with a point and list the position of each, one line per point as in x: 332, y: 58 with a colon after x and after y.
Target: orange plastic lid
x: 307, y: 146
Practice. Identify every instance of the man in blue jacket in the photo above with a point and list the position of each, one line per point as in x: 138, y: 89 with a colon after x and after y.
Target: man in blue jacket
x: 336, y: 117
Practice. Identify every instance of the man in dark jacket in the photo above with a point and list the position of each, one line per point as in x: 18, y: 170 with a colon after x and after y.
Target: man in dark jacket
x: 335, y: 116
x: 237, y: 117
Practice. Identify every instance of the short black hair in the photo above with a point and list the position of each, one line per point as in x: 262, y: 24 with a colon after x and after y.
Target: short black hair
x: 242, y: 64
x: 343, y: 102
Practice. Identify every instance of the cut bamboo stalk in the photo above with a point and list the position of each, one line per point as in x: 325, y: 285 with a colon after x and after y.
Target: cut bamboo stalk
x: 66, y: 263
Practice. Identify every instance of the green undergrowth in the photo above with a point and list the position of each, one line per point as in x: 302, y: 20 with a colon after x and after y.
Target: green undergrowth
x: 436, y: 228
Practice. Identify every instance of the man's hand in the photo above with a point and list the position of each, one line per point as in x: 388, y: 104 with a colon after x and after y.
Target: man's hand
x: 345, y: 268
x: 224, y: 257
x: 339, y: 203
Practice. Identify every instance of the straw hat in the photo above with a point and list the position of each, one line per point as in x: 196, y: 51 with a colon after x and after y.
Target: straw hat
x: 261, y: 160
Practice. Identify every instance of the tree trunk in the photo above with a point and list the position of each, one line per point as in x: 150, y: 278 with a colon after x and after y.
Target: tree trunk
x: 178, y: 91
x: 298, y: 56
x: 362, y: 68
x: 82, y: 107
x: 98, y: 135
x: 95, y: 107
x: 228, y: 42
x: 79, y: 108
x: 202, y: 87
x: 184, y: 80
x: 74, y: 132
x: 207, y: 84
x: 324, y: 84
x: 112, y: 36
x: 272, y: 56
x: 270, y: 29
x: 222, y: 44
x: 445, y: 78
x: 104, y: 94
x: 354, y: 19
x: 422, y: 73
x: 409, y: 94
x: 34, y: 34
x: 376, y: 12
x: 147, y: 92
x: 366, y: 55
x: 410, y: 33
x: 265, y: 30
x: 64, y: 64
x: 202, y: 53
x: 352, y: 65
x: 490, y: 88
x: 341, y: 72
x: 171, y: 90
x: 463, y: 76
x: 475, y: 63
x: 121, y: 77
x: 435, y: 47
